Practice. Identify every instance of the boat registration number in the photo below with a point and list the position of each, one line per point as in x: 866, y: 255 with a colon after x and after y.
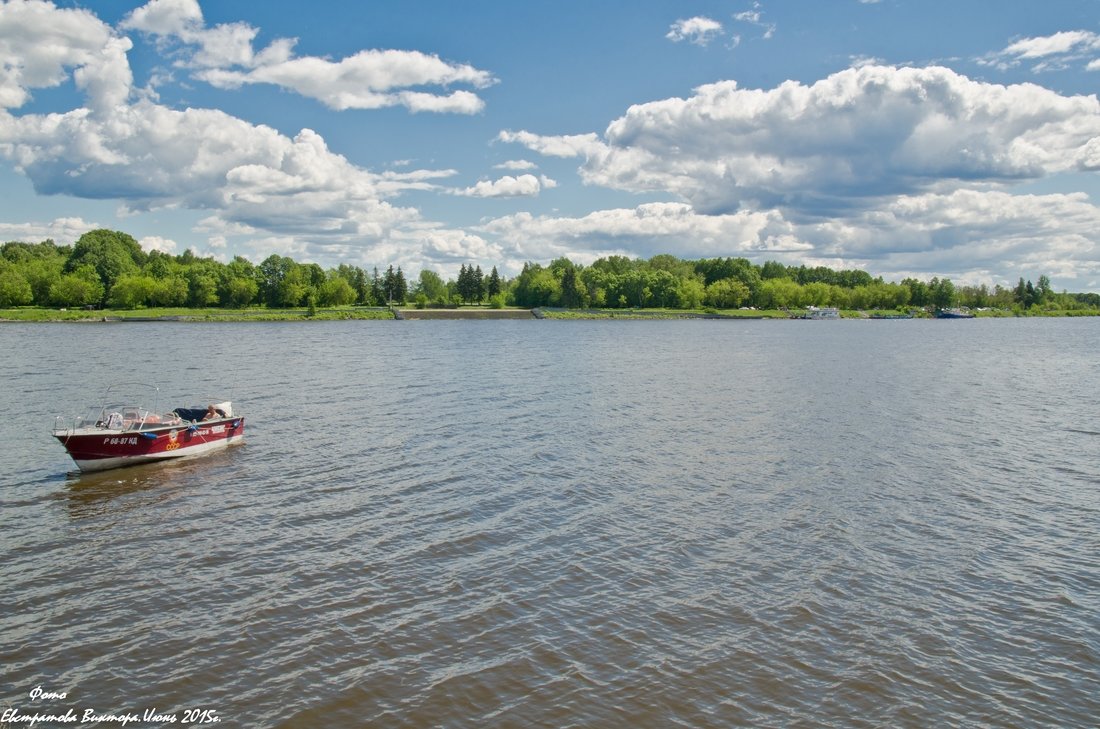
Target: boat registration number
x: 120, y: 441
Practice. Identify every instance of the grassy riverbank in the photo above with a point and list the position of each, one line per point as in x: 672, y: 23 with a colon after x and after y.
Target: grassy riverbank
x: 36, y: 314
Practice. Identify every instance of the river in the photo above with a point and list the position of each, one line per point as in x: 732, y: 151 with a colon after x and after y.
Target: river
x: 564, y: 524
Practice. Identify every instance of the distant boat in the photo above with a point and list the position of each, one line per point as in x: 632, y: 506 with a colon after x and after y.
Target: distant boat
x: 890, y: 316
x: 954, y: 314
x: 124, y: 433
x: 828, y: 312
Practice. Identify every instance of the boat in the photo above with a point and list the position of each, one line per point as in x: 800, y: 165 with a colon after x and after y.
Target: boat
x: 122, y: 432
x: 827, y: 312
x: 954, y: 314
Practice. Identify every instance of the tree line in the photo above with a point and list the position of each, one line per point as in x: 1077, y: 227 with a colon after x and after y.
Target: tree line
x: 665, y: 281
x: 107, y: 268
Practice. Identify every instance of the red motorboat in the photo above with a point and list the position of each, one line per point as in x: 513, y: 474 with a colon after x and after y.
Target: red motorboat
x: 124, y: 433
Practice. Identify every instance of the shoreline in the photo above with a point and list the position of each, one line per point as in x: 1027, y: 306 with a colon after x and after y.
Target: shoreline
x: 54, y: 316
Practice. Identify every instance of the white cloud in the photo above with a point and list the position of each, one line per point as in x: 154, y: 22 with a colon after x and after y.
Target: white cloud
x: 508, y: 186
x: 223, y: 56
x: 366, y: 80
x: 895, y: 170
x: 228, y: 44
x: 157, y: 243
x: 166, y: 17
x: 848, y: 141
x: 39, y: 43
x: 967, y: 234
x: 970, y: 236
x: 1059, y: 43
x: 1052, y: 52
x: 63, y: 231
x: 646, y: 230
x: 454, y: 245
x: 563, y: 146
x: 516, y: 165
x: 756, y: 17
x: 260, y: 185
x: 151, y: 156
x: 697, y: 30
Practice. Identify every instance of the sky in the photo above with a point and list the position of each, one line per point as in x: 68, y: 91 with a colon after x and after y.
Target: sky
x: 946, y: 138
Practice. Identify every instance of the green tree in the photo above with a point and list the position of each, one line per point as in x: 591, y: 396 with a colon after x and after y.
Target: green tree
x: 131, y: 292
x: 172, y: 291
x: 401, y: 286
x: 110, y: 253
x: 160, y: 265
x: 395, y: 286
x: 377, y: 289
x: 282, y: 283
x: 493, y: 286
x: 942, y: 292
x: 41, y: 274
x: 15, y: 289
x: 240, y: 291
x: 726, y: 293
x: 817, y: 293
x: 203, y: 286
x: 477, y: 280
x: 431, y: 286
x: 1020, y: 294
x: 778, y: 293
x: 336, y: 291
x: 470, y: 284
x: 80, y: 288
x: 1043, y: 290
x: 231, y: 291
x: 773, y: 269
x: 691, y: 292
x: 572, y: 294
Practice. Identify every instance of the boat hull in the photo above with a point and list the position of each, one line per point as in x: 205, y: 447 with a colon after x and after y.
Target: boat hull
x: 100, y: 449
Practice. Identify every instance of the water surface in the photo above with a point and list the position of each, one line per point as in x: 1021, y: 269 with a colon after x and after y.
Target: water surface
x: 567, y: 524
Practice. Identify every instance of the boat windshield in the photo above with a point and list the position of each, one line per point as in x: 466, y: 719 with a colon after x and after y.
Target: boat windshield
x: 118, y: 416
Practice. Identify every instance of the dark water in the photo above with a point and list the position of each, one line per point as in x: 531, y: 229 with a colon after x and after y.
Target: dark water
x: 566, y: 524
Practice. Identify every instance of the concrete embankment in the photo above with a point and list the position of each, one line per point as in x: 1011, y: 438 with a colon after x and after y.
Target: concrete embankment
x: 464, y: 313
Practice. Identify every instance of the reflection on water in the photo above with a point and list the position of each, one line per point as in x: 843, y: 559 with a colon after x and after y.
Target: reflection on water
x: 122, y: 489
x: 497, y: 524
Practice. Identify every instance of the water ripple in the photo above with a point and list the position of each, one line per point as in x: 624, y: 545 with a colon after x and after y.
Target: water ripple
x: 573, y: 525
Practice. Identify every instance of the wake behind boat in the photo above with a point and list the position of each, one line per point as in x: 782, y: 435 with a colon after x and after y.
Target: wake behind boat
x: 125, y: 433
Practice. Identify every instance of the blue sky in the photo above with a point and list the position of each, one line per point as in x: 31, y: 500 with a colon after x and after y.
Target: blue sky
x: 906, y: 138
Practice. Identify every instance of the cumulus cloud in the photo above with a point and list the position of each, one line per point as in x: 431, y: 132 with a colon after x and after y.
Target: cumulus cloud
x: 452, y: 246
x: 697, y: 30
x: 223, y: 56
x: 257, y: 182
x: 646, y: 230
x: 39, y: 44
x: 555, y: 146
x: 157, y: 243
x: 896, y: 170
x: 508, y: 186
x: 973, y: 237
x: 1051, y: 52
x: 516, y: 165
x: 848, y: 141
x: 63, y: 231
